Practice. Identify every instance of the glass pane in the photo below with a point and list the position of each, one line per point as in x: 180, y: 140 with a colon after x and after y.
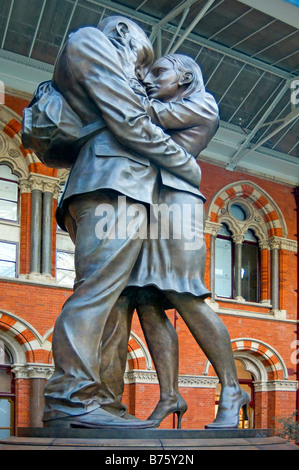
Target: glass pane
x: 4, y: 433
x: 249, y: 272
x: 65, y: 277
x: 22, y: 25
x: 8, y: 210
x: 5, y: 355
x: 8, y: 190
x: 5, y: 172
x: 249, y: 236
x: 7, y: 269
x: 5, y: 413
x: 237, y: 212
x: 8, y: 252
x: 65, y: 260
x: 223, y: 267
x: 5, y: 382
x: 224, y: 231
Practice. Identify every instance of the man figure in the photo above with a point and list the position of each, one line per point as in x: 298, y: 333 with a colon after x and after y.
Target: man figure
x: 93, y: 73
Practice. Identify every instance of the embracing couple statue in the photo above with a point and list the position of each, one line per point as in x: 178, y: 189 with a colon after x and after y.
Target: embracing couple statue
x: 156, y: 118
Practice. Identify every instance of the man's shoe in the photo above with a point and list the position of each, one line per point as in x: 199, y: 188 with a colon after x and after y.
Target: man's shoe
x: 99, y: 419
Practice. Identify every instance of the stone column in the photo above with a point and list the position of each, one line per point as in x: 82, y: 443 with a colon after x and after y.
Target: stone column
x: 38, y: 374
x: 43, y: 188
x: 36, y: 223
x: 51, y: 189
x: 238, y: 240
x: 274, y: 245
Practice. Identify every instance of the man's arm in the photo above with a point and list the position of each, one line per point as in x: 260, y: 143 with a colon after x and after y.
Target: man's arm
x: 95, y: 65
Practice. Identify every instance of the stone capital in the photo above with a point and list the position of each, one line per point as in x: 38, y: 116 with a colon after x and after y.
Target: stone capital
x: 33, y: 371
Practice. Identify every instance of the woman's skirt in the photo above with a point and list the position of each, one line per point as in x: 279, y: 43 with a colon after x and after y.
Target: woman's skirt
x: 173, y: 254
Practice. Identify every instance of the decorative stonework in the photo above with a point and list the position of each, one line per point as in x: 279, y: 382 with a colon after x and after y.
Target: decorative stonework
x: 33, y: 371
x: 150, y: 377
x: 276, y: 386
x: 40, y: 182
x: 263, y: 214
x: 25, y: 335
x: 272, y: 361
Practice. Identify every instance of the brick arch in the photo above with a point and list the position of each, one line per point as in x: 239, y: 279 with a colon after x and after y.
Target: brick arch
x: 270, y: 359
x: 138, y: 356
x: 10, y: 126
x: 267, y: 362
x: 264, y: 206
x: 35, y: 347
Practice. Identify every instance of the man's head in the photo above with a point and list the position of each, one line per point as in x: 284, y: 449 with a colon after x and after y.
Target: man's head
x: 129, y: 35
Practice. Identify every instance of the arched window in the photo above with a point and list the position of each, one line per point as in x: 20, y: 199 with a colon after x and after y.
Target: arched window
x: 9, y: 215
x: 9, y: 194
x: 7, y: 392
x: 237, y: 265
x: 258, y: 235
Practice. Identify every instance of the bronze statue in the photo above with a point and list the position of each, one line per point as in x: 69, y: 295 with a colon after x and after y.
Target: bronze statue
x: 94, y: 73
x: 171, y: 270
x: 139, y: 159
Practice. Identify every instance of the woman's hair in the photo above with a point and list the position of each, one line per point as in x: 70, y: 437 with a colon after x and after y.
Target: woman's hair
x: 183, y: 63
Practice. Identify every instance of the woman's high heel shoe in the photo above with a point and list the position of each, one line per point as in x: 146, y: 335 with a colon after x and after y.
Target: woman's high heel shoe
x: 228, y: 416
x: 164, y: 409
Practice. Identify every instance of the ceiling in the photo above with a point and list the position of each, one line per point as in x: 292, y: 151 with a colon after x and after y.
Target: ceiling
x: 248, y: 51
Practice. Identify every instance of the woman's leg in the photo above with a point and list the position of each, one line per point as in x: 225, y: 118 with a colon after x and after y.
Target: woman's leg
x: 162, y: 341
x: 212, y: 336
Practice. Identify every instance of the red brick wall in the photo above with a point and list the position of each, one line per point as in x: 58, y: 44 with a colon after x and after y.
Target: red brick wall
x: 39, y: 306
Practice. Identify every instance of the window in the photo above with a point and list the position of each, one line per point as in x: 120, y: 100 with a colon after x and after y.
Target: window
x: 223, y: 263
x: 65, y: 271
x: 7, y: 395
x: 8, y: 194
x: 237, y: 263
x: 247, y: 232
x: 8, y: 259
x: 250, y: 268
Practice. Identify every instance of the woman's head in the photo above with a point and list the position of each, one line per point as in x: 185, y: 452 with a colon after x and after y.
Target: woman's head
x: 174, y: 77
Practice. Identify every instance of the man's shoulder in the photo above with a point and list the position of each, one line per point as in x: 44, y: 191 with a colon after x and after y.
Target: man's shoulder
x: 88, y: 34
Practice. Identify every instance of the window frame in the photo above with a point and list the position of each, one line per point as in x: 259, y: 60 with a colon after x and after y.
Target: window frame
x: 233, y: 259
x: 11, y: 221
x: 17, y: 258
x: 59, y: 250
x: 230, y: 238
x: 249, y: 242
x: 11, y: 395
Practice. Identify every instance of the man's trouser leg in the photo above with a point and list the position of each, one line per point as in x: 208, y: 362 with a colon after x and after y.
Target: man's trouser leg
x: 103, y: 264
x: 115, y: 351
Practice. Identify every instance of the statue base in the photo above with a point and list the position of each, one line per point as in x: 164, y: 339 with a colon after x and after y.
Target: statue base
x: 154, y: 441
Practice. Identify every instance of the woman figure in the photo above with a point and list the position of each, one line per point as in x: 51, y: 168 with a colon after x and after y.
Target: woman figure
x: 170, y: 270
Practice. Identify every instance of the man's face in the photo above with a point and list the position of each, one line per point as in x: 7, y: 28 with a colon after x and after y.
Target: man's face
x: 163, y: 82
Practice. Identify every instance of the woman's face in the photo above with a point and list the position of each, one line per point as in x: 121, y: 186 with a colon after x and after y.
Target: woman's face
x: 163, y: 82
